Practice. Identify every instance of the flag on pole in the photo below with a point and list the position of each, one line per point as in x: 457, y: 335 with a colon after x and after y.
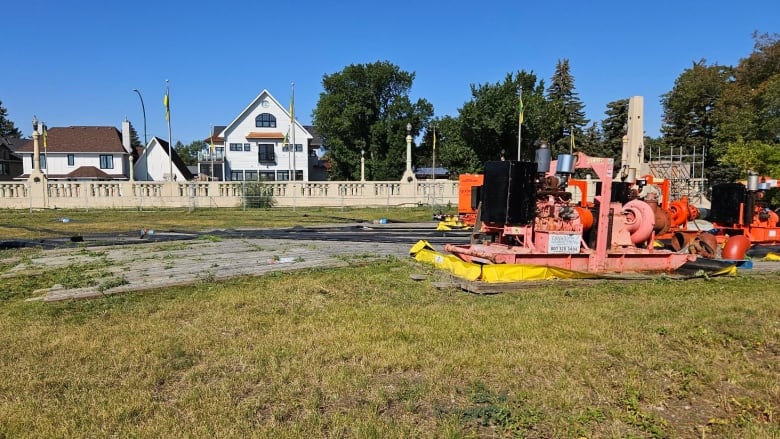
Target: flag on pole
x: 166, y: 102
x: 521, y: 117
x: 211, y: 147
x: 434, y: 138
x: 45, y: 136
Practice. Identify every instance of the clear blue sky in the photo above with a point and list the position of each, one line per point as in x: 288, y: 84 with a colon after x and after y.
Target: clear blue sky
x: 77, y: 62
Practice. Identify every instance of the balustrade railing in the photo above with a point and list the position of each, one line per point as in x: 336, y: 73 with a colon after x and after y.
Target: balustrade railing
x: 103, y: 194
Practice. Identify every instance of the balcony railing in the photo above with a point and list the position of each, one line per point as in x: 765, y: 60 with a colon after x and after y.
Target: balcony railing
x: 208, y: 156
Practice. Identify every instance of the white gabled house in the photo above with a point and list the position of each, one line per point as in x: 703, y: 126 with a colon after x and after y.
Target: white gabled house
x: 155, y: 164
x: 261, y: 143
x: 80, y: 153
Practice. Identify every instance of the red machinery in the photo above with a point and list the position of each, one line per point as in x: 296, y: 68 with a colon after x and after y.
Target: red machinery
x: 527, y: 217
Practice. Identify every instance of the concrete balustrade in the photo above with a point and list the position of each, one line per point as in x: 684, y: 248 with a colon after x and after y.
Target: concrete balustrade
x: 105, y: 195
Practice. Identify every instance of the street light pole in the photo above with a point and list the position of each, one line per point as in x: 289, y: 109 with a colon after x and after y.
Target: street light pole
x: 143, y: 109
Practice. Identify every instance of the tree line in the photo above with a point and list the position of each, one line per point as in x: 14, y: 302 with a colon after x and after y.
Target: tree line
x: 730, y: 113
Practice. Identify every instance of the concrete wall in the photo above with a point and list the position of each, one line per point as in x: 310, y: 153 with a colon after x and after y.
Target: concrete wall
x: 139, y: 194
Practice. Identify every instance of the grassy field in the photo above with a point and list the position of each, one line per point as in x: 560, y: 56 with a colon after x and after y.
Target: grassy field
x: 367, y: 352
x: 26, y: 224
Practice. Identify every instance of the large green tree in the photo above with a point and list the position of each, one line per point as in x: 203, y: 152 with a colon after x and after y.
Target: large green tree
x: 688, y: 123
x: 748, y: 112
x: 566, y: 114
x: 7, y: 127
x: 490, y: 120
x: 366, y: 107
x: 452, y: 152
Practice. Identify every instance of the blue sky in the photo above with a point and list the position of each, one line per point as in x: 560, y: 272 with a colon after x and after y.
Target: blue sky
x: 77, y: 62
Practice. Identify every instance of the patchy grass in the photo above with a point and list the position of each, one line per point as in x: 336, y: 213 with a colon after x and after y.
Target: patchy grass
x: 24, y: 224
x: 368, y: 352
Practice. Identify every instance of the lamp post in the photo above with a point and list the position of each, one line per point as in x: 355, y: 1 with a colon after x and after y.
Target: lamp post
x: 408, y: 174
x: 143, y: 110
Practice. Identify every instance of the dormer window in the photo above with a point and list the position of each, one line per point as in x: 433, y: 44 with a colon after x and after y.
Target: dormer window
x: 265, y: 120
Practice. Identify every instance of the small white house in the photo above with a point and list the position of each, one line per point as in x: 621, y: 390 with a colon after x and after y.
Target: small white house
x: 155, y: 163
x: 261, y: 143
x: 80, y: 153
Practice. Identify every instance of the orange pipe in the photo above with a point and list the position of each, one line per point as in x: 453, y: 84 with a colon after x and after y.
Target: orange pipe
x: 736, y: 247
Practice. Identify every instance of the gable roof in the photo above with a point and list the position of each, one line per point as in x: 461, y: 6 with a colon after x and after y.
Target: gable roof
x: 81, y: 139
x: 254, y: 104
x: 180, y: 165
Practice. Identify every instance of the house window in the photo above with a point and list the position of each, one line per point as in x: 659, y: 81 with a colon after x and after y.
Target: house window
x: 247, y: 147
x: 106, y: 161
x: 236, y: 175
x: 43, y: 161
x: 265, y: 152
x: 267, y: 175
x: 236, y: 147
x: 265, y: 120
x: 288, y: 147
x: 282, y: 175
x: 250, y: 175
x: 71, y: 160
x: 4, y: 169
x: 299, y: 175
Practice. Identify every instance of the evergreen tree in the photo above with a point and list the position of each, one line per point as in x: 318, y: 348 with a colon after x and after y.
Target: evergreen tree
x: 565, y: 111
x: 7, y: 127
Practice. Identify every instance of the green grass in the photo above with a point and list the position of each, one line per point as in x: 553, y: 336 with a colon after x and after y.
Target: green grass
x: 24, y: 224
x: 367, y: 352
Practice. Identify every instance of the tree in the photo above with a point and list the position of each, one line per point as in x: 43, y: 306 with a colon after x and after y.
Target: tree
x: 189, y: 153
x: 7, y: 128
x: 489, y: 121
x: 565, y: 111
x: 366, y: 107
x: 451, y: 150
x: 688, y: 122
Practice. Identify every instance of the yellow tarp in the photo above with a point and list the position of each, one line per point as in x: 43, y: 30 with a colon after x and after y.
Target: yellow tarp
x: 772, y: 257
x: 424, y: 252
x: 497, y: 273
x: 452, y: 224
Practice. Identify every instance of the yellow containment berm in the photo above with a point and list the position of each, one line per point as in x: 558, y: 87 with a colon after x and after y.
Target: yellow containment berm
x: 497, y: 273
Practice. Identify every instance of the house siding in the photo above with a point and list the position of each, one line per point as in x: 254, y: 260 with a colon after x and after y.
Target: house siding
x: 244, y: 124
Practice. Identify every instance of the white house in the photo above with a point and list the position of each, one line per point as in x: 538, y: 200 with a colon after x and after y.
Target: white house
x: 261, y: 143
x: 155, y: 164
x: 80, y: 153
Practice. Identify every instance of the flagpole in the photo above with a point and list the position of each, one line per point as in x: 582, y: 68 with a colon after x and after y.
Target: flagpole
x: 168, y: 118
x: 211, y: 152
x: 433, y: 169
x: 520, y: 126
x: 292, y: 116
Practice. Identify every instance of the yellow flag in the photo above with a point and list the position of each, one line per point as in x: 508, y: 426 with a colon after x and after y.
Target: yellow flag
x: 166, y: 102
x: 45, y: 136
x: 211, y: 148
x: 434, y: 138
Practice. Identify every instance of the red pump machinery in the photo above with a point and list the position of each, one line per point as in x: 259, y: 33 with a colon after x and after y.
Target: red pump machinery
x: 527, y: 217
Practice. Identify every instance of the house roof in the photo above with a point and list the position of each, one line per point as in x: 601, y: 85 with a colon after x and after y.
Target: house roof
x: 265, y: 135
x: 13, y: 143
x: 316, y: 138
x: 79, y: 139
x: 82, y: 173
x: 180, y: 165
x: 214, y: 136
x: 263, y: 94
